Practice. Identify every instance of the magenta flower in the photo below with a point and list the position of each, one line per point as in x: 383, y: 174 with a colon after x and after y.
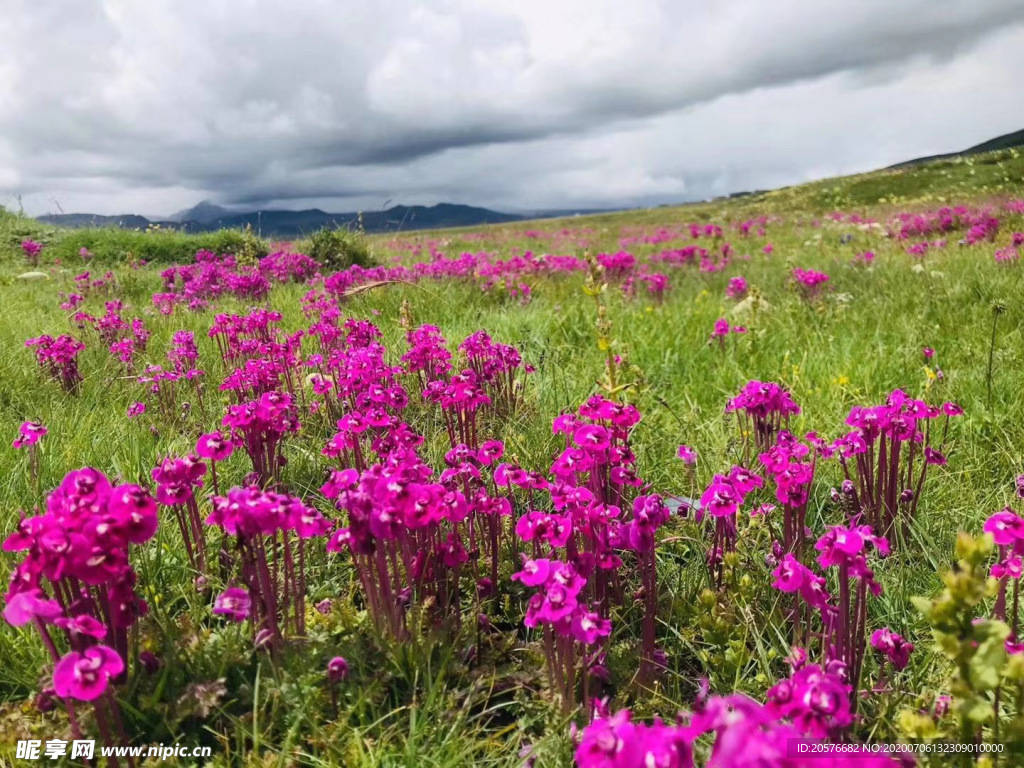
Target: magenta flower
x: 233, y: 603
x: 32, y: 250
x: 810, y: 281
x: 136, y: 409
x: 83, y: 625
x: 893, y: 646
x: 23, y: 607
x: 841, y: 545
x: 29, y: 433
x: 214, y: 446
x: 490, y: 452
x: 737, y: 287
x: 85, y: 676
x: 928, y: 352
x: 1005, y: 526
x: 588, y: 627
x: 722, y: 498
x: 817, y: 701
x: 687, y: 455
x: 792, y: 576
x: 592, y: 438
x: 534, y: 573
x: 1011, y: 568
x: 337, y: 669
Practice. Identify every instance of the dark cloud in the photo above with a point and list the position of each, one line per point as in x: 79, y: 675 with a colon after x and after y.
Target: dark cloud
x: 114, y: 105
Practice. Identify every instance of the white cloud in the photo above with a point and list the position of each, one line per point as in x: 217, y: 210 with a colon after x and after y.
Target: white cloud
x: 117, y: 105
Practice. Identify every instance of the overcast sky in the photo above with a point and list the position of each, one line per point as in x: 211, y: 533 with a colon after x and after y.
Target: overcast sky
x: 148, y: 106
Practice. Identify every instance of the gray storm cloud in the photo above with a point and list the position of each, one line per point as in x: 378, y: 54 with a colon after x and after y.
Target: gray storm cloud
x: 118, y: 105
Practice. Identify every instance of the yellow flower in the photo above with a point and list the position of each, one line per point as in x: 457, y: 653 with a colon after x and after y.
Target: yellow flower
x: 840, y: 381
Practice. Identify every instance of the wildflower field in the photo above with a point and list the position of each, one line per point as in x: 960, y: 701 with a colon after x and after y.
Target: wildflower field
x: 673, y: 487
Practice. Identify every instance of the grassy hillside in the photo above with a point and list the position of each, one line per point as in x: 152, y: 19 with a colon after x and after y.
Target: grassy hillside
x: 442, y: 667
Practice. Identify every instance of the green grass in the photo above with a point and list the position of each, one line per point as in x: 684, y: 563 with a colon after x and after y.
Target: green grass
x: 426, y: 704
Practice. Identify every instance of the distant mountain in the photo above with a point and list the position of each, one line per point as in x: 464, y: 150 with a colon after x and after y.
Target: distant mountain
x: 1007, y: 141
x: 79, y: 220
x: 206, y: 217
x: 201, y: 213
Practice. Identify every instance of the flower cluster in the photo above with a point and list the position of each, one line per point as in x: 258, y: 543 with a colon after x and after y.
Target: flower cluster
x: 745, y: 733
x: 558, y: 607
x: 737, y: 288
x: 58, y: 358
x: 886, y: 457
x: 809, y: 281
x: 428, y: 356
x: 721, y: 330
x: 76, y: 578
x: 284, y: 266
x: 763, y: 409
x: 31, y: 249
x: 270, y: 532
x: 496, y: 366
x: 259, y: 427
x: 177, y: 481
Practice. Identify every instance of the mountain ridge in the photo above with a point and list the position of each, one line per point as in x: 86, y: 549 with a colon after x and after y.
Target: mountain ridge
x: 206, y: 217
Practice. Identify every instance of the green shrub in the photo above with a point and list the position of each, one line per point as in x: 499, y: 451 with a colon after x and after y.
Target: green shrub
x: 338, y: 249
x: 109, y: 245
x: 250, y: 250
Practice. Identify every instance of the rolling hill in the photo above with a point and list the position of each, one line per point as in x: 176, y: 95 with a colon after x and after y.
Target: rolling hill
x: 1006, y: 141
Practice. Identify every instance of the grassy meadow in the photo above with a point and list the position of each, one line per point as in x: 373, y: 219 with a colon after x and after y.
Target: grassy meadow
x: 447, y: 693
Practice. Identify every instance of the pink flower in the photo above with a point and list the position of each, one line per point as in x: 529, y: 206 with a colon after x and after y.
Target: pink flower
x: 491, y: 451
x: 721, y: 499
x: 85, y: 676
x: 23, y: 607
x: 792, y: 576
x: 929, y: 353
x: 233, y: 603
x: 29, y: 433
x: 737, y: 288
x: 337, y: 669
x: 214, y: 446
x: 817, y: 701
x: 83, y: 624
x: 592, y: 438
x: 1005, y: 527
x: 31, y: 249
x: 810, y: 280
x: 588, y: 627
x: 1011, y: 567
x: 687, y: 455
x: 534, y: 573
x: 892, y: 645
x: 136, y: 409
